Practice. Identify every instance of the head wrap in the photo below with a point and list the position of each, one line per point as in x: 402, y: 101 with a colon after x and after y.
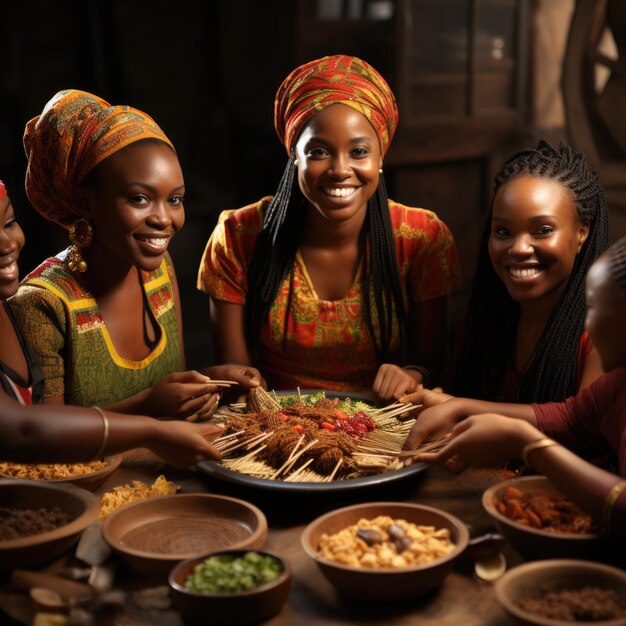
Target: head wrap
x: 75, y: 132
x: 3, y: 190
x: 348, y: 80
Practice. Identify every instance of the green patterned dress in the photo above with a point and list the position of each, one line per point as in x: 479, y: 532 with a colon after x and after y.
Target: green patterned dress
x: 62, y: 323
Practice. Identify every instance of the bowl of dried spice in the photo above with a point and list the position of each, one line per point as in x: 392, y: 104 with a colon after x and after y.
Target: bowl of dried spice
x: 560, y: 592
x: 39, y: 520
x: 231, y: 586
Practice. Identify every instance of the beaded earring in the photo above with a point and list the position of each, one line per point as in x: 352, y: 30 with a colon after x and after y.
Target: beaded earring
x: 81, y: 236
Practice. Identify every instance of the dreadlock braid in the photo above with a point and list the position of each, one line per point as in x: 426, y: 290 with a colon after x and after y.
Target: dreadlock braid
x: 493, y: 315
x: 278, y: 243
x: 617, y: 262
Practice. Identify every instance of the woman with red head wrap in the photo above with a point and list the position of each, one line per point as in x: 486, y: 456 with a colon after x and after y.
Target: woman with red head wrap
x: 329, y: 284
x: 104, y: 315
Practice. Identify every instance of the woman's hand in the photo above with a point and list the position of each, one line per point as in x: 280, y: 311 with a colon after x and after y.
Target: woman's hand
x: 436, y: 421
x: 184, y: 395
x: 182, y: 444
x: 482, y: 440
x: 246, y: 377
x: 392, y: 382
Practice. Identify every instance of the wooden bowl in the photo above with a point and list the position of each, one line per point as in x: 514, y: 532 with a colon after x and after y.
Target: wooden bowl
x: 35, y: 550
x: 385, y: 583
x: 534, y: 543
x: 533, y: 579
x: 253, y: 606
x: 89, y: 481
x: 153, y: 535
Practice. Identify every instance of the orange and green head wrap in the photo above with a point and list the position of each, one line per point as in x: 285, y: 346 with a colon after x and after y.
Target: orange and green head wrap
x: 348, y: 80
x: 75, y: 132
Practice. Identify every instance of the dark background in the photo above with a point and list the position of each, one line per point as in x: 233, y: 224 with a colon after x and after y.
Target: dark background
x: 207, y: 73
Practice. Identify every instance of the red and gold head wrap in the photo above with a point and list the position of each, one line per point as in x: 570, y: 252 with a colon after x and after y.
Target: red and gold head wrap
x: 348, y: 80
x: 3, y: 190
x: 75, y: 132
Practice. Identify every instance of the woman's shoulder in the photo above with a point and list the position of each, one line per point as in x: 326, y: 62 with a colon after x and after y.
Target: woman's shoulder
x: 413, y: 216
x: 250, y: 216
x: 53, y: 276
x: 419, y: 227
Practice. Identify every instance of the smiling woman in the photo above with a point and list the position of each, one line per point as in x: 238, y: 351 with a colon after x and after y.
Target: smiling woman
x: 329, y: 284
x: 104, y: 315
x: 524, y: 339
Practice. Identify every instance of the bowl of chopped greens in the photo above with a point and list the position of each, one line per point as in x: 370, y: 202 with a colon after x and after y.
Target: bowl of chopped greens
x: 231, y: 586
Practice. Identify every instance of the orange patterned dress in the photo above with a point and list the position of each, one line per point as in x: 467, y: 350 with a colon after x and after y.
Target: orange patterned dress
x: 326, y: 344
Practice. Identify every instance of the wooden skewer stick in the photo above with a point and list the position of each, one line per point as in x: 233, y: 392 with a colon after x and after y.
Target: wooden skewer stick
x: 330, y: 478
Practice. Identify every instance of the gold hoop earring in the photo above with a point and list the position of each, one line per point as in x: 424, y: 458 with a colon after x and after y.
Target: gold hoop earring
x: 81, y: 236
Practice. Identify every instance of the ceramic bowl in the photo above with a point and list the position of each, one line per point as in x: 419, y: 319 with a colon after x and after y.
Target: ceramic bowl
x: 35, y: 550
x: 530, y: 580
x: 253, y: 606
x: 89, y: 481
x: 385, y: 583
x: 533, y: 543
x: 153, y: 535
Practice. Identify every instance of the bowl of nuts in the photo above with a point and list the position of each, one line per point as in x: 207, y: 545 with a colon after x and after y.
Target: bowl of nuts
x: 385, y: 550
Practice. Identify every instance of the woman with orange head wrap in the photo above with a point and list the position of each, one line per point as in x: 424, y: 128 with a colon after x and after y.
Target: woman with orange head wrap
x: 104, y: 315
x: 329, y: 284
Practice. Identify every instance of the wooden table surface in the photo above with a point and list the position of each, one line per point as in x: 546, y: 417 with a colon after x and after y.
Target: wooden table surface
x: 461, y: 600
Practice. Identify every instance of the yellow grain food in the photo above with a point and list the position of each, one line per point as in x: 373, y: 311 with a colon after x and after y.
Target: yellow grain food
x: 125, y: 494
x: 50, y: 471
x: 422, y: 544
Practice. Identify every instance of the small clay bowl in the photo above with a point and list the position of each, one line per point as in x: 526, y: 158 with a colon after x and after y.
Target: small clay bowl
x: 385, y: 583
x: 245, y: 607
x: 35, y: 550
x: 531, y: 580
x: 90, y: 481
x: 533, y: 543
x: 153, y: 535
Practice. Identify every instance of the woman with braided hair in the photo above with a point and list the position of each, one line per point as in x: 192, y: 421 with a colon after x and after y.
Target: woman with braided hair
x: 328, y: 284
x: 524, y: 339
x: 553, y: 437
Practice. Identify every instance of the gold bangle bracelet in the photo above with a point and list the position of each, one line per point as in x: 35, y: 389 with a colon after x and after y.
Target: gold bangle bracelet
x: 105, y: 434
x: 609, y: 504
x: 544, y: 442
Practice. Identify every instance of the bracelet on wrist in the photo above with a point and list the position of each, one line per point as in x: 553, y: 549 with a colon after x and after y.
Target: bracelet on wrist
x: 609, y: 504
x: 544, y: 442
x: 105, y: 433
x: 422, y: 370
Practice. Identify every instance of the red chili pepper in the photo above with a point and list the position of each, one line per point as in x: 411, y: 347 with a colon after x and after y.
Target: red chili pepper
x: 341, y: 415
x: 328, y: 426
x: 283, y: 417
x: 298, y: 428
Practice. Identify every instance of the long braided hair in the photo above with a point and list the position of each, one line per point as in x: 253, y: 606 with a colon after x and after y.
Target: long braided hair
x: 493, y: 315
x: 278, y: 243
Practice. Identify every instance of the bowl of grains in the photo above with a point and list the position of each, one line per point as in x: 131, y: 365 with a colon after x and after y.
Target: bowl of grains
x: 385, y: 550
x: 232, y: 586
x: 86, y: 475
x: 41, y: 520
x: 560, y: 592
x: 539, y: 522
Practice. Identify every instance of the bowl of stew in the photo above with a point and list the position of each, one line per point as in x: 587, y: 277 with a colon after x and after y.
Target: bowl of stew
x: 539, y: 522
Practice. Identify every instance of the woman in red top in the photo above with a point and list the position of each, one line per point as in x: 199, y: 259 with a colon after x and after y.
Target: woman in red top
x: 524, y: 339
x: 589, y: 425
x: 329, y: 284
